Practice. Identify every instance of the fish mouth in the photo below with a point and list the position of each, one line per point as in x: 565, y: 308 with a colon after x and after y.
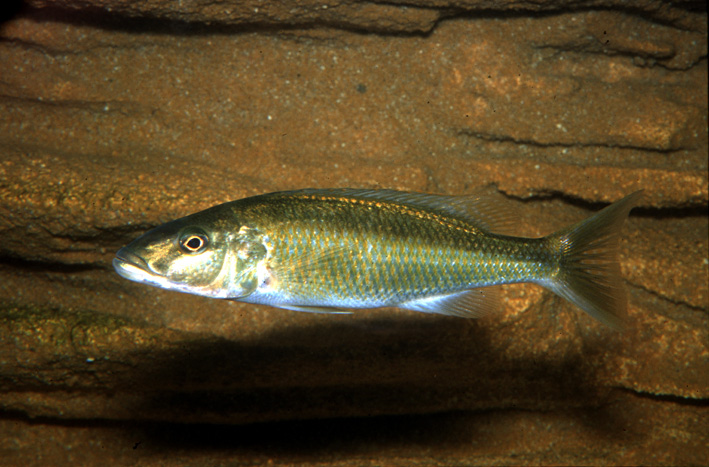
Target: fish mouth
x: 132, y: 267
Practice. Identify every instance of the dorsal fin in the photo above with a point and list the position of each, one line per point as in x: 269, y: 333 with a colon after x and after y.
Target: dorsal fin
x: 480, y: 209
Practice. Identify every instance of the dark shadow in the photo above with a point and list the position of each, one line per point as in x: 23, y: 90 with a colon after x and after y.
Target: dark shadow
x: 352, y: 371
x: 98, y: 17
x: 27, y: 266
x: 679, y: 212
x: 10, y: 9
x: 318, y: 440
x: 90, y: 15
x: 342, y: 386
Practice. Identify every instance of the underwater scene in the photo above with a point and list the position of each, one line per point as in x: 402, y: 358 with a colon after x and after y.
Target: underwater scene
x: 354, y: 233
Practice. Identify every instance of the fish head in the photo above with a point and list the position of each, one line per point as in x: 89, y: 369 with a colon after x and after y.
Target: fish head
x: 196, y: 255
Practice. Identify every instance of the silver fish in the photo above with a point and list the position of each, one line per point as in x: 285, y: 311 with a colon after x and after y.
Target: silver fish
x: 335, y: 249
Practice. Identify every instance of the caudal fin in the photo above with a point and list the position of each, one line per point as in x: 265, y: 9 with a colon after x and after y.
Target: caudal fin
x: 589, y: 273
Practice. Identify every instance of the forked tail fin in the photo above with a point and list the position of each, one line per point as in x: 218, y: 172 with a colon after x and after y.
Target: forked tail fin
x: 589, y: 273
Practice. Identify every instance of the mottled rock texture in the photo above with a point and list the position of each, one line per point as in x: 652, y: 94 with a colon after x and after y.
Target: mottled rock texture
x: 116, y: 116
x: 380, y: 16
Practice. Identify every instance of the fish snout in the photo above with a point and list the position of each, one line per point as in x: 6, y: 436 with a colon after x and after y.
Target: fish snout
x: 129, y: 265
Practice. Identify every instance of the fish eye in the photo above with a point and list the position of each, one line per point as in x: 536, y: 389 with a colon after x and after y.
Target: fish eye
x: 194, y: 243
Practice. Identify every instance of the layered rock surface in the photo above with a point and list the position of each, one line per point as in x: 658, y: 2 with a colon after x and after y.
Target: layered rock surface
x: 115, y: 118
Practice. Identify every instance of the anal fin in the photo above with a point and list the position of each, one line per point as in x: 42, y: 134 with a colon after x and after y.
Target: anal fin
x: 316, y: 309
x: 472, y: 303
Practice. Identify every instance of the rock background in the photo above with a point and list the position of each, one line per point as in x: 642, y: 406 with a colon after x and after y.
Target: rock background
x: 117, y: 116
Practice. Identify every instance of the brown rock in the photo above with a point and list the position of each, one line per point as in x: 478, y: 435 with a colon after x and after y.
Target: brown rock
x: 383, y: 16
x: 108, y: 129
x: 627, y: 430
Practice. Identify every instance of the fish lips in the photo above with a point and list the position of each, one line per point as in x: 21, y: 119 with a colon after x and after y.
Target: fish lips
x: 132, y: 267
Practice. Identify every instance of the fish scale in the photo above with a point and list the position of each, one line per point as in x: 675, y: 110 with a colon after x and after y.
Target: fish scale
x: 414, y: 241
x: 324, y: 250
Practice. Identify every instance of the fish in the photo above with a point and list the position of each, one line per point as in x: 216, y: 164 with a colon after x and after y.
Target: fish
x: 338, y: 250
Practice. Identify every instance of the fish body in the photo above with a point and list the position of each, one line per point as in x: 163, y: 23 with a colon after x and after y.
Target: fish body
x: 335, y: 249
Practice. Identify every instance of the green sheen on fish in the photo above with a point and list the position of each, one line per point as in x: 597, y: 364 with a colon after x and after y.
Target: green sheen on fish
x: 329, y: 250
